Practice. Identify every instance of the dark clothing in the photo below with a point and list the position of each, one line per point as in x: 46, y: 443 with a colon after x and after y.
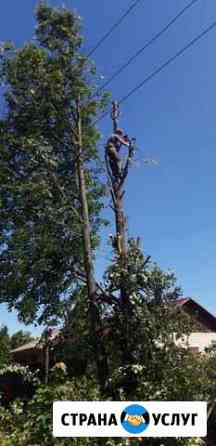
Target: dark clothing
x: 113, y: 147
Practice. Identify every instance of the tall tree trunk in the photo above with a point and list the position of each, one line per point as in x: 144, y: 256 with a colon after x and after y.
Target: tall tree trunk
x: 117, y: 194
x: 121, y: 233
x: 46, y: 363
x: 100, y: 356
x: 122, y: 251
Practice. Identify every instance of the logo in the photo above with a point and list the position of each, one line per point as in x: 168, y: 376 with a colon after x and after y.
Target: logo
x: 163, y: 419
x: 135, y: 419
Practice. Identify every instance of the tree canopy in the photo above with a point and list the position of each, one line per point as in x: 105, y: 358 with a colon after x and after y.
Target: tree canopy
x: 4, y: 346
x: 40, y: 220
x: 9, y: 342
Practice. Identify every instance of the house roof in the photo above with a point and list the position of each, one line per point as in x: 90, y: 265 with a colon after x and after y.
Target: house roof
x: 34, y: 345
x: 183, y: 300
x: 29, y: 346
x: 187, y: 303
x: 202, y: 315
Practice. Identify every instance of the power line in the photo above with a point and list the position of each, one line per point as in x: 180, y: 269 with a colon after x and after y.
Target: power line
x: 113, y: 27
x: 162, y: 67
x: 148, y: 44
x: 169, y: 61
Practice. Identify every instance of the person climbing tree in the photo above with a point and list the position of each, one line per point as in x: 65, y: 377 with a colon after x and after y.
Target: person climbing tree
x: 114, y: 144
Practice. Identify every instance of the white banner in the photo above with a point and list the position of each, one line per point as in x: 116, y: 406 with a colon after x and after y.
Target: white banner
x: 129, y: 419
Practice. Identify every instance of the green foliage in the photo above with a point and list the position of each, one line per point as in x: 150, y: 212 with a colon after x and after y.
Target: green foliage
x: 8, y: 343
x: 28, y: 375
x: 41, y: 248
x: 156, y: 369
x: 33, y: 425
x: 4, y: 346
x: 17, y: 382
x: 147, y: 331
x: 76, y: 346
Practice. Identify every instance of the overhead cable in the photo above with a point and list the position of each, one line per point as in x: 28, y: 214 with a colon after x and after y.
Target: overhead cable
x: 114, y: 26
x: 162, y: 67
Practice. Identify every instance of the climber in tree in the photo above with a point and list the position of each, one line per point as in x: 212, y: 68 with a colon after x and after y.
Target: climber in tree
x: 114, y: 144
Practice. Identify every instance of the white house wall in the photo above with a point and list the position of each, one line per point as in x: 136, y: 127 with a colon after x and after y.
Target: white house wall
x: 198, y: 340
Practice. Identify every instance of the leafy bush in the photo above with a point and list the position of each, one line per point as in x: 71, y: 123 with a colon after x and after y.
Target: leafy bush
x: 32, y: 425
x: 28, y: 375
x: 17, y: 382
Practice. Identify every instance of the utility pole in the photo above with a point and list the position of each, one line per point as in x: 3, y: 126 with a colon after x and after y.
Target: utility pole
x: 99, y: 352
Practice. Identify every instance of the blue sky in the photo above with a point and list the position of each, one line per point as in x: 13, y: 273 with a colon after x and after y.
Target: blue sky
x: 170, y: 206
